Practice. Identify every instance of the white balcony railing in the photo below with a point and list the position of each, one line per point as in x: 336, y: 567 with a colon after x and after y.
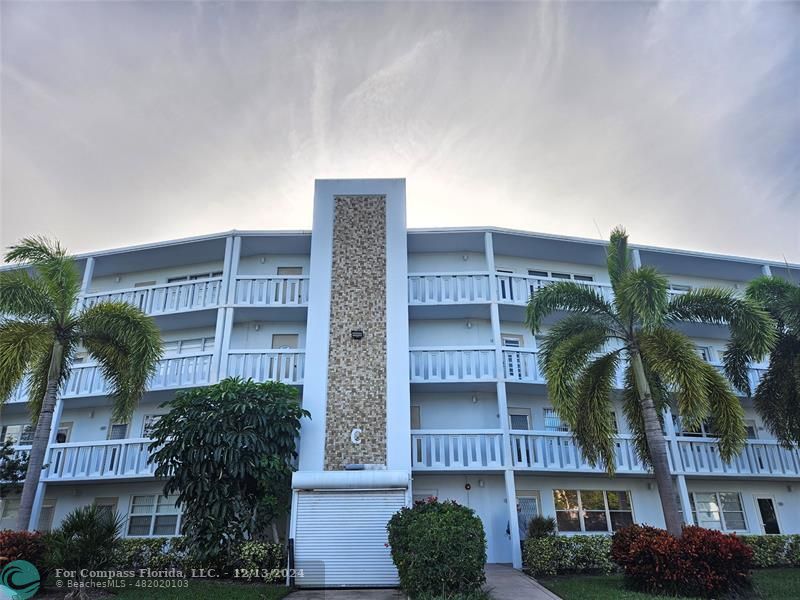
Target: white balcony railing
x: 522, y: 365
x: 453, y: 364
x: 271, y: 291
x: 557, y: 451
x: 448, y: 288
x: 93, y: 460
x: 517, y: 289
x: 759, y: 457
x: 174, y: 372
x: 286, y: 366
x: 456, y: 449
x: 164, y: 298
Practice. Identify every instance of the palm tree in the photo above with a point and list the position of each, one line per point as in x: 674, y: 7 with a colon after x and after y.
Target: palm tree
x: 40, y: 332
x: 582, y: 352
x: 777, y: 398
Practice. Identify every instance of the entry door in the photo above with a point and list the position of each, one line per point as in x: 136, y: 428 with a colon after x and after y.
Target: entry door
x: 768, y: 514
x: 340, y: 538
x: 529, y: 507
x: 513, y: 359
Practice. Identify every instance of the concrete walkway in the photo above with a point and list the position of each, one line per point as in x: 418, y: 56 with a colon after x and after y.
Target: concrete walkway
x: 503, y: 582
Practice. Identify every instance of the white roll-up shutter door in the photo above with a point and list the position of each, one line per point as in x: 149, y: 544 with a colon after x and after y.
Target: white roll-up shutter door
x: 340, y: 538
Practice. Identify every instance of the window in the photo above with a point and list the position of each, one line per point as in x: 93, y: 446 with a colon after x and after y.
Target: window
x: 140, y: 284
x: 188, y: 346
x: 148, y: 423
x: 194, y: 277
x: 751, y: 429
x: 107, y: 505
x: 10, y: 508
x: 422, y: 495
x: 706, y: 353
x: 118, y: 431
x: 552, y: 422
x: 680, y: 288
x: 592, y: 510
x: 46, y: 515
x: 718, y: 510
x: 62, y: 435
x: 559, y: 275
x: 153, y: 516
x: 290, y: 270
x: 18, y: 434
x: 415, y: 418
x: 285, y: 341
x: 614, y: 425
x: 519, y: 418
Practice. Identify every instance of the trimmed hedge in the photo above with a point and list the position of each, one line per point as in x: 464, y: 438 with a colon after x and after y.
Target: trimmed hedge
x: 439, y: 548
x: 554, y: 555
x: 774, y: 550
x: 169, y: 553
x: 22, y: 545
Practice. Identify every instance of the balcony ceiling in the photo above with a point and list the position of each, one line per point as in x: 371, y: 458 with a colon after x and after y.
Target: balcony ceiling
x: 171, y: 255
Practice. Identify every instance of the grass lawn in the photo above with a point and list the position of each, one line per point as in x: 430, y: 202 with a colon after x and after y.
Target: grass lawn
x: 207, y: 590
x: 768, y: 584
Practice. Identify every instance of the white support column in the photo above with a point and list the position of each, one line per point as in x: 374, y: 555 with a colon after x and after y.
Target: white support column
x: 222, y: 336
x: 41, y: 489
x: 88, y: 273
x: 677, y: 466
x: 228, y: 283
x: 502, y: 405
x: 637, y: 259
x: 766, y: 270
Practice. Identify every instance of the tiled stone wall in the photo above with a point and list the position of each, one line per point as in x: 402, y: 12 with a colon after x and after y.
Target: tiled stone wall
x: 357, y: 368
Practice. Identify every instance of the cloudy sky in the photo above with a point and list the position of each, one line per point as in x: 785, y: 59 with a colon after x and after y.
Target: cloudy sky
x: 133, y: 122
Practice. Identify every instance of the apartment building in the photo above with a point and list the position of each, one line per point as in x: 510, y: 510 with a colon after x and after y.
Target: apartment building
x: 410, y: 351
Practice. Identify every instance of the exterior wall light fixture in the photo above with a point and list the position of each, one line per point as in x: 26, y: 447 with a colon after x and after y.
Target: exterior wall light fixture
x: 356, y: 334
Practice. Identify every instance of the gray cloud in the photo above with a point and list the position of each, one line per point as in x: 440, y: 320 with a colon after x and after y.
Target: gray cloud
x: 133, y: 122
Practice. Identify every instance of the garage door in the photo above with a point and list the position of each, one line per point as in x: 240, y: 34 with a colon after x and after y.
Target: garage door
x: 340, y: 538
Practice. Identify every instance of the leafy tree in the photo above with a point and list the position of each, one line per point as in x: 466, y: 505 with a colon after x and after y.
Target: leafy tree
x: 40, y: 331
x: 228, y: 451
x: 582, y: 352
x: 13, y: 466
x: 777, y: 398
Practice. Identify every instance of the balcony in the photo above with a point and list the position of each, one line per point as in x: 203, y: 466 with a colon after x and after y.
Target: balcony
x: 556, y: 451
x: 438, y: 365
x: 517, y: 289
x: 760, y: 458
x: 434, y: 450
x: 448, y: 288
x: 163, y: 299
x: 112, y: 459
x: 271, y: 291
x: 171, y: 373
x: 286, y: 366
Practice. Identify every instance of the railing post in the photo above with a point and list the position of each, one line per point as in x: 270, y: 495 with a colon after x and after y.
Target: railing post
x: 678, y: 466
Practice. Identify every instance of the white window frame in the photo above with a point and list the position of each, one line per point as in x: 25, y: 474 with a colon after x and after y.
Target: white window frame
x: 112, y: 424
x: 10, y: 503
x: 582, y: 511
x: 421, y: 495
x: 22, y: 437
x: 284, y: 347
x: 194, y: 276
x: 153, y: 514
x: 206, y: 345
x: 520, y: 411
x: 298, y: 271
x: 145, y: 424
x: 723, y: 525
x: 567, y: 276
x: 549, y: 410
x: 756, y: 498
x: 46, y: 524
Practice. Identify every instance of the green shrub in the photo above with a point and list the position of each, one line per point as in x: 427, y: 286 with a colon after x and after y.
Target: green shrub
x: 541, y: 526
x: 768, y: 550
x: 557, y: 554
x: 86, y: 541
x: 438, y: 548
x: 264, y: 558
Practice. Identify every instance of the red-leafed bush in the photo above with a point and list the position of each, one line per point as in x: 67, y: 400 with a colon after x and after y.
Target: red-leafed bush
x: 701, y: 563
x: 21, y: 545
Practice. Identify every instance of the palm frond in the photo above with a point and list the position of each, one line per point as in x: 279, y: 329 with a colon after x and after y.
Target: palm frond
x: 21, y: 342
x: 127, y: 344
x: 24, y: 296
x: 54, y: 266
x: 567, y: 296
x: 565, y: 351
x: 750, y: 324
x: 736, y: 360
x: 643, y: 294
x: 673, y: 357
x: 776, y: 295
x: 632, y: 408
x: 618, y: 259
x: 726, y: 413
x: 592, y: 423
x: 777, y: 398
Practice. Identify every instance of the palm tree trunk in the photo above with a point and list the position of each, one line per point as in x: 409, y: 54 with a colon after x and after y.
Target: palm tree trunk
x: 658, y: 449
x: 41, y: 438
